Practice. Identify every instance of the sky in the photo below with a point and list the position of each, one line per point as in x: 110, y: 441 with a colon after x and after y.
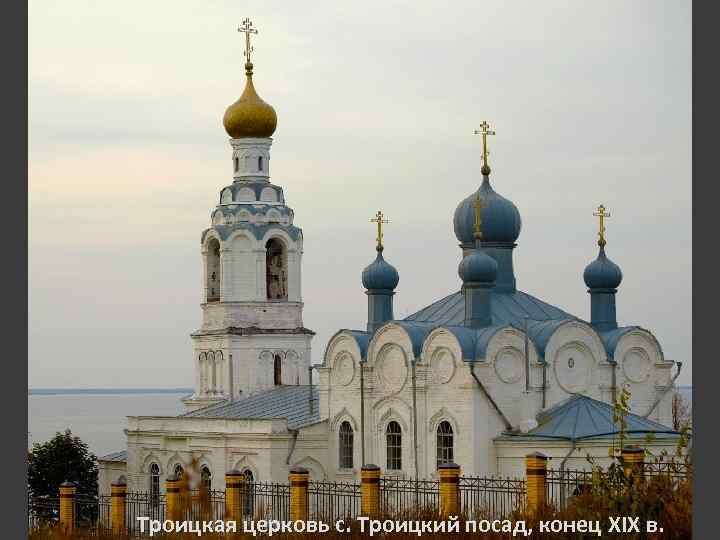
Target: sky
x: 376, y: 105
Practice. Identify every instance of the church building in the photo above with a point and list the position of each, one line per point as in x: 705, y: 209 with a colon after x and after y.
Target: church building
x: 480, y: 377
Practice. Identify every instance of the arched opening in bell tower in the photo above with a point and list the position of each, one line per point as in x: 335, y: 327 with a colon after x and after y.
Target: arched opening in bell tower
x: 213, y: 270
x: 277, y: 370
x: 276, y: 270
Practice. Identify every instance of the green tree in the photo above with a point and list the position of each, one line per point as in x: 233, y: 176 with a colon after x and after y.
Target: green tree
x: 64, y: 457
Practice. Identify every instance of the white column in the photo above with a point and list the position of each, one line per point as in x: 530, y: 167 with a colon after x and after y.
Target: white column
x: 260, y: 277
x: 225, y: 278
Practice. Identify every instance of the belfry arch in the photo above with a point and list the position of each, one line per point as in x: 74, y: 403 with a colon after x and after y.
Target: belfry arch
x: 213, y: 270
x: 276, y: 270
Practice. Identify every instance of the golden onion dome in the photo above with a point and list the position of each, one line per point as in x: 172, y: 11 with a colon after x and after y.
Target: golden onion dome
x: 250, y: 116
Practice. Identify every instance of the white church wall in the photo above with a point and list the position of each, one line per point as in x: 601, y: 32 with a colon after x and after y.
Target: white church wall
x: 576, y: 362
x: 643, y: 367
x: 447, y: 391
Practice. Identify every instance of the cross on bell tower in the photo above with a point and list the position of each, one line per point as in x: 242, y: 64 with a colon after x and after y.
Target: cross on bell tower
x: 247, y: 29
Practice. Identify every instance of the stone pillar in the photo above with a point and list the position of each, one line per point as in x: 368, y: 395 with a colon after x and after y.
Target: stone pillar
x: 67, y: 507
x: 118, y: 495
x: 370, y: 491
x: 173, y: 510
x: 536, y: 476
x: 299, y: 503
x: 449, y: 489
x: 234, y: 483
x: 633, y: 458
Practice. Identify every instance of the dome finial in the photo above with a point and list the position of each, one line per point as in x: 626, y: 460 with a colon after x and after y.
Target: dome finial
x: 379, y: 219
x: 247, y: 29
x: 484, y: 131
x: 249, y: 116
x: 602, y: 215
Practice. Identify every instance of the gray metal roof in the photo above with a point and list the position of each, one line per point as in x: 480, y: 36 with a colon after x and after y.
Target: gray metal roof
x: 507, y: 308
x: 115, y: 456
x: 290, y: 402
x: 582, y: 417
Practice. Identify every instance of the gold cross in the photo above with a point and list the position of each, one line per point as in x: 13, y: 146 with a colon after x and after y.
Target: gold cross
x: 478, y: 204
x: 484, y: 131
x: 379, y: 219
x: 602, y: 215
x: 247, y: 29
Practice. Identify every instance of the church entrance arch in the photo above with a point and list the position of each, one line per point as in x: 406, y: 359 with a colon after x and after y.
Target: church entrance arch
x: 276, y: 265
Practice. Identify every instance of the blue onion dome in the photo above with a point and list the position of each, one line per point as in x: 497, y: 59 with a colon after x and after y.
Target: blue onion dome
x: 500, y: 217
x: 380, y: 275
x: 602, y: 273
x: 478, y: 267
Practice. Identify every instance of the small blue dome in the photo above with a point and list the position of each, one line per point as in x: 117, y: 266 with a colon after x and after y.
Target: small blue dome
x: 478, y: 266
x: 602, y: 273
x: 380, y: 275
x: 500, y: 217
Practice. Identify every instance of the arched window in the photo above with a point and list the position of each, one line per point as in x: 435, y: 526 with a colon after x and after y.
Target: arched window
x: 276, y: 270
x: 277, y: 370
x: 179, y: 471
x: 205, y: 478
x: 260, y: 163
x: 236, y: 162
x: 154, y: 485
x: 393, y: 441
x: 213, y: 271
x: 345, y: 445
x: 249, y: 487
x: 444, y: 443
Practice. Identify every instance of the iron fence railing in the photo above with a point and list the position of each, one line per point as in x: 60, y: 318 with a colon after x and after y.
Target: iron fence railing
x: 399, y: 495
x: 561, y: 485
x: 328, y: 501
x: 266, y: 500
x: 489, y: 497
x: 333, y: 500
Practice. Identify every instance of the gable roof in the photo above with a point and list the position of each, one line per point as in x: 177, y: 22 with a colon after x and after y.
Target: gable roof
x: 581, y: 417
x: 290, y: 402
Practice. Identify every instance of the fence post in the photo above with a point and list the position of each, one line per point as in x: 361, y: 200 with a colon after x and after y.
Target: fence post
x: 234, y: 481
x: 118, y: 494
x: 172, y: 498
x: 67, y: 507
x: 449, y: 489
x: 633, y: 460
x: 299, y: 478
x: 370, y: 490
x: 536, y: 476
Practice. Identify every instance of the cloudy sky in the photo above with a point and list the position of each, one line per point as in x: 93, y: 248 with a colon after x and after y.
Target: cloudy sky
x: 376, y: 105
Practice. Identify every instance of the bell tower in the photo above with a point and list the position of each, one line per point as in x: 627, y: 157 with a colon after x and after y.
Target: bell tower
x: 252, y: 336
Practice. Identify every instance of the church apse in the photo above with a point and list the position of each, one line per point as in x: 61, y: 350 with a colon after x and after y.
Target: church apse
x: 276, y: 270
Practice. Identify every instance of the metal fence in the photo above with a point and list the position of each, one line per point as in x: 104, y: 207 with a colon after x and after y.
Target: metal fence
x: 333, y: 500
x: 328, y: 501
x: 402, y: 496
x: 562, y: 485
x: 483, y: 497
x: 266, y: 500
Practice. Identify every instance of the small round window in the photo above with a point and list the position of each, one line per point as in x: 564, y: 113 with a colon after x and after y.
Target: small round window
x: 571, y: 363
